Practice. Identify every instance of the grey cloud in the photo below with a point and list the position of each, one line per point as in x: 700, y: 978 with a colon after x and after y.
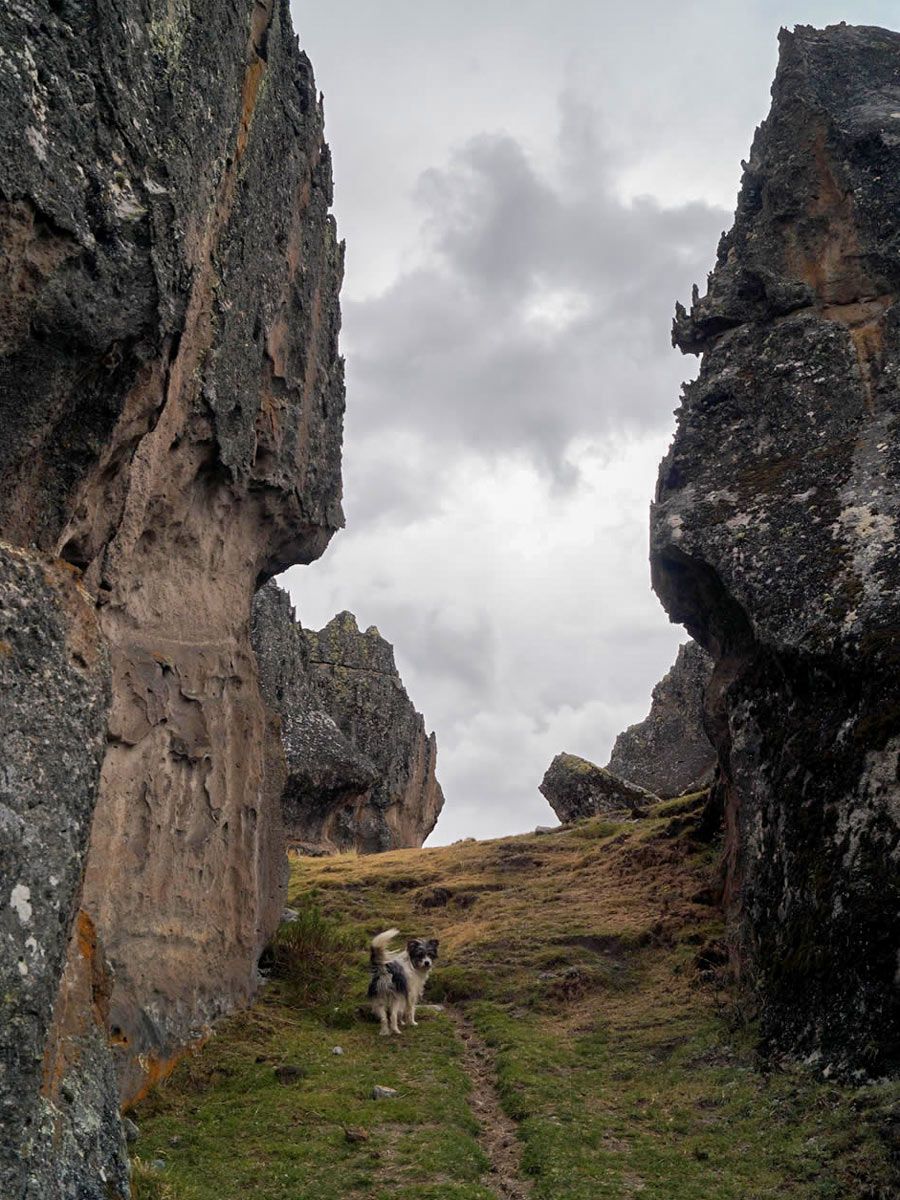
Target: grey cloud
x: 542, y: 311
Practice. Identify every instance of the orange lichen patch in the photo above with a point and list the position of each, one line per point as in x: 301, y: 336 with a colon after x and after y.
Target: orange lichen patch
x: 825, y: 252
x: 157, y: 1069
x: 84, y: 992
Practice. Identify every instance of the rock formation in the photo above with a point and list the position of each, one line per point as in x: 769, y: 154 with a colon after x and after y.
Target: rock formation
x: 774, y: 542
x: 668, y: 753
x: 54, y: 695
x: 328, y: 779
x: 356, y: 681
x: 576, y: 788
x: 171, y: 398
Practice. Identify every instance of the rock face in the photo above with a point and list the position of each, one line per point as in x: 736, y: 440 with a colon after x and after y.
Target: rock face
x: 328, y: 779
x: 774, y: 542
x: 356, y: 682
x: 171, y: 398
x: 54, y: 696
x: 668, y: 753
x: 575, y: 788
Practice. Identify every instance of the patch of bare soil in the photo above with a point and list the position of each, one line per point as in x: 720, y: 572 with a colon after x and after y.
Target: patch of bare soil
x: 498, y: 1132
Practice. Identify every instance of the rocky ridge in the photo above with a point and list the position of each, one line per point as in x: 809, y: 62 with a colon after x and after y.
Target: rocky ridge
x: 774, y: 543
x: 171, y: 396
x: 668, y: 753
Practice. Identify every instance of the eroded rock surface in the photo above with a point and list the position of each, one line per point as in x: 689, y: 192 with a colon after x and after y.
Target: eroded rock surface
x: 329, y: 780
x: 669, y: 753
x: 576, y: 788
x: 54, y: 695
x: 774, y: 542
x: 356, y: 681
x: 171, y: 398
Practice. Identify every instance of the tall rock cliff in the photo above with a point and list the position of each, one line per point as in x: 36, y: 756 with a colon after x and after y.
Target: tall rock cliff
x: 329, y: 781
x: 669, y: 753
x: 357, y: 683
x: 171, y: 397
x: 774, y: 542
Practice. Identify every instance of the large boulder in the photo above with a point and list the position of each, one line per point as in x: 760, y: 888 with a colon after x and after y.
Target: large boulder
x: 171, y: 397
x: 576, y: 788
x: 774, y: 542
x: 355, y: 680
x: 669, y: 753
x: 328, y: 779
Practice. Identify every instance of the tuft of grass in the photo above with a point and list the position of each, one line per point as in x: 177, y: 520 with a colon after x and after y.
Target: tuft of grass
x: 310, y: 955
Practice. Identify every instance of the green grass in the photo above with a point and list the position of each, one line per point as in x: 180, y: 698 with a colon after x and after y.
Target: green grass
x: 586, y: 962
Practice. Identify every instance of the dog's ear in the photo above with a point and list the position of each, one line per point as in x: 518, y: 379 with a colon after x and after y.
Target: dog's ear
x: 432, y: 945
x: 411, y: 945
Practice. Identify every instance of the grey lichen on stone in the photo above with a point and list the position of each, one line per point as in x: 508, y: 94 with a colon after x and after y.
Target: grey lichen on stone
x: 54, y: 696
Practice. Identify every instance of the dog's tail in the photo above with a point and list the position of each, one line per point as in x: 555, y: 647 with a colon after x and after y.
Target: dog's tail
x: 378, y: 944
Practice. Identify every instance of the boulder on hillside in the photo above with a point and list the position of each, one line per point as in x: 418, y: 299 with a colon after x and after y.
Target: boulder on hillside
x: 576, y: 788
x: 669, y: 753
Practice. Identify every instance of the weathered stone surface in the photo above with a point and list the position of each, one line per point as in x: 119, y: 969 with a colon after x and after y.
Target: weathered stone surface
x: 774, y: 542
x: 356, y: 681
x: 668, y: 753
x: 171, y: 398
x: 328, y: 779
x: 54, y: 694
x: 575, y: 788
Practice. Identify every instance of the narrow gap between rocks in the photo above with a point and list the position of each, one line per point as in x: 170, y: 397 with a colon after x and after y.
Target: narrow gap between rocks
x: 498, y: 1138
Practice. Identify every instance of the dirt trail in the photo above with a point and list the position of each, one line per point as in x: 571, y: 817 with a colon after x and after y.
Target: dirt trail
x: 498, y: 1132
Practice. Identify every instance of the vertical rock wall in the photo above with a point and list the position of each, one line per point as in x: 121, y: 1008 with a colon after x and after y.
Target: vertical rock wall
x: 774, y: 542
x: 171, y: 397
x: 668, y: 753
x: 360, y: 767
x: 328, y: 781
x: 357, y: 683
x: 54, y: 694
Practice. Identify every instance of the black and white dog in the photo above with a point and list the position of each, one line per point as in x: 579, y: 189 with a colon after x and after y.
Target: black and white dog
x: 398, y: 979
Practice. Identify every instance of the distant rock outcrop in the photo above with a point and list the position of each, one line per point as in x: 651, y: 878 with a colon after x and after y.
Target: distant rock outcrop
x: 328, y: 779
x: 774, y: 540
x: 171, y: 400
x: 576, y: 788
x: 360, y: 768
x: 668, y: 753
x: 354, y: 676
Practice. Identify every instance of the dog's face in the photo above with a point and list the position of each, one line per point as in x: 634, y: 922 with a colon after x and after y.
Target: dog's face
x: 422, y: 953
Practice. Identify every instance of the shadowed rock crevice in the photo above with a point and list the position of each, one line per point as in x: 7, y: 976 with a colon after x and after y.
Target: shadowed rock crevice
x: 773, y: 541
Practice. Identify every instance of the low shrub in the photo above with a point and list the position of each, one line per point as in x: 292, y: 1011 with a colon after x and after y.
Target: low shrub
x: 311, y: 955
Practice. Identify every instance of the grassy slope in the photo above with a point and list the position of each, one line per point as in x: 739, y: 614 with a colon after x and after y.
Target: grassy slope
x: 584, y: 960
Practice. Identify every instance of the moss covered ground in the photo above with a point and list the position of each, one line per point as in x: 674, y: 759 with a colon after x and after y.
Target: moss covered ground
x: 591, y: 965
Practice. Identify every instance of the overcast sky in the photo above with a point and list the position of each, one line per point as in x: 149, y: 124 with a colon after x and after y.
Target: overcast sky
x: 525, y: 187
